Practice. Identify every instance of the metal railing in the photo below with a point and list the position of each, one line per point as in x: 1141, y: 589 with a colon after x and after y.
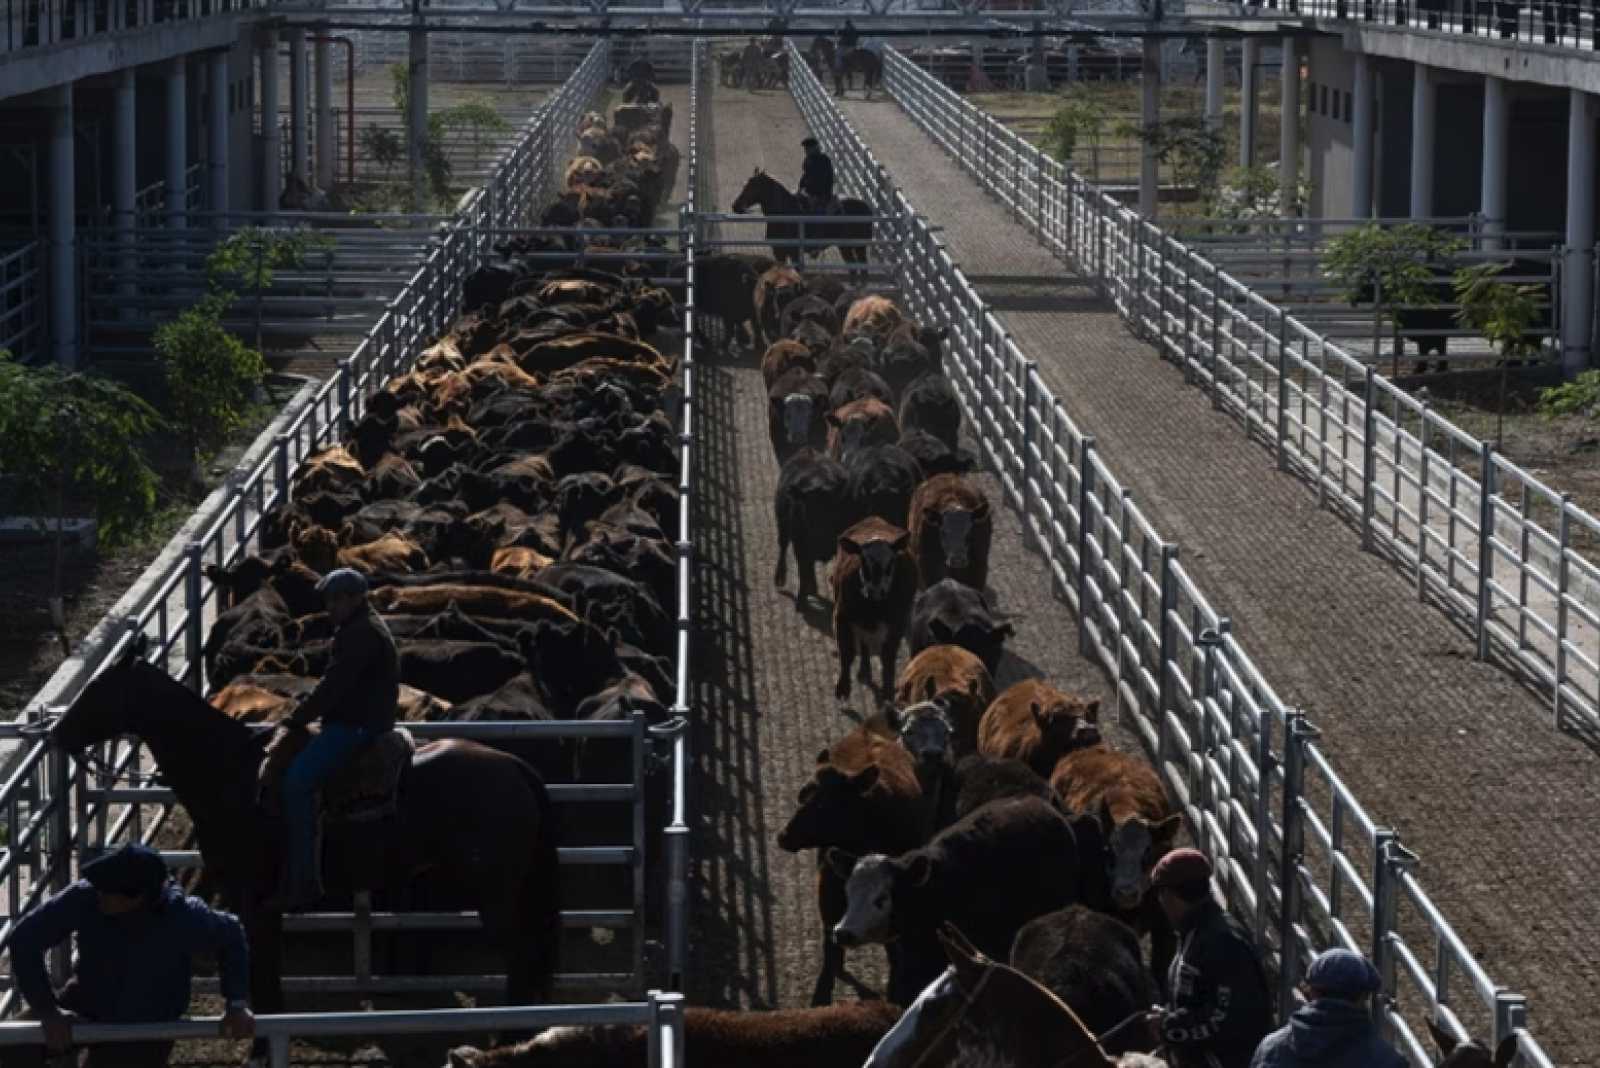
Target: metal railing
x: 1509, y: 556
x: 1300, y: 860
x: 1564, y: 23
x: 51, y: 806
x: 22, y: 306
x: 32, y: 24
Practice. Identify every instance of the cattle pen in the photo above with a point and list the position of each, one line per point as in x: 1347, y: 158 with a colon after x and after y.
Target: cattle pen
x: 718, y: 916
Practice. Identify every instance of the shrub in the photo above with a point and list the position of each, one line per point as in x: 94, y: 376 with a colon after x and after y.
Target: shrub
x: 1581, y: 396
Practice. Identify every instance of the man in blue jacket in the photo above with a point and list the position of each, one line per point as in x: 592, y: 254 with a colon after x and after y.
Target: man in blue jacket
x: 1334, y: 1028
x: 136, y: 936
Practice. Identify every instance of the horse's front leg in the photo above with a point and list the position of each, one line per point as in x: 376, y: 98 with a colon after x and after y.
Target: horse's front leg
x: 264, y: 934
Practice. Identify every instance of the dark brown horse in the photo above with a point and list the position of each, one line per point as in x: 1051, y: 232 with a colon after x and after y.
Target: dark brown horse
x: 862, y: 61
x: 773, y: 198
x: 821, y: 55
x: 475, y: 821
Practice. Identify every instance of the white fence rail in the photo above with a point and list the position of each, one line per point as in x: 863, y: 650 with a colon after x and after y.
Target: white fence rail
x: 1299, y: 858
x: 1481, y: 536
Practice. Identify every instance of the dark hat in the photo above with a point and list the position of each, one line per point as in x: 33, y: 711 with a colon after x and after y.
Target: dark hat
x: 1181, y: 867
x: 809, y: 142
x: 133, y: 870
x: 342, y: 580
x: 1343, y: 974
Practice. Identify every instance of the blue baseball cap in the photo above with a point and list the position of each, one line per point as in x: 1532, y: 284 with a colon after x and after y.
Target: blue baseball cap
x: 133, y: 870
x: 1343, y: 974
x: 342, y: 580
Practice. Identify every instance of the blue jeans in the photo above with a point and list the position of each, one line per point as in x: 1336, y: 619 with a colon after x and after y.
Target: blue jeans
x: 326, y: 754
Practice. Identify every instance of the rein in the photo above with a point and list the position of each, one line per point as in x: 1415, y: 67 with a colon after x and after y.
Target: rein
x: 107, y: 770
x: 967, y: 1001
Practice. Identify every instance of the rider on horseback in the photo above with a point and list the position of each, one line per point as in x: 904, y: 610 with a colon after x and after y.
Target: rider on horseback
x: 849, y: 37
x: 355, y: 699
x: 816, y: 177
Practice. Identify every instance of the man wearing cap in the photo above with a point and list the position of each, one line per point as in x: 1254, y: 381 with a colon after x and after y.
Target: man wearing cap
x: 1334, y: 1028
x: 1219, y: 1005
x: 849, y: 37
x: 816, y: 176
x: 136, y: 933
x: 355, y: 700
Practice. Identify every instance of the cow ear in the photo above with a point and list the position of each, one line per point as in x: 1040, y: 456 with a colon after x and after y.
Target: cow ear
x: 930, y: 688
x: 839, y: 862
x: 1107, y: 820
x: 1168, y: 827
x: 939, y: 629
x: 865, y: 779
x: 1442, y: 1038
x: 1091, y: 711
x: 920, y: 870
x: 899, y: 543
x: 822, y: 755
x: 1506, y: 1052
x: 849, y: 546
x: 1038, y: 713
x: 464, y: 1057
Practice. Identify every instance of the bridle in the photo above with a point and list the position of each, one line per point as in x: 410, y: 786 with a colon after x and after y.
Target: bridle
x: 967, y: 1001
x: 91, y: 760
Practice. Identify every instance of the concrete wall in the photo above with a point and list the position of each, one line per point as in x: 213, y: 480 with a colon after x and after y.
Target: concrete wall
x: 1329, y: 128
x: 1392, y: 186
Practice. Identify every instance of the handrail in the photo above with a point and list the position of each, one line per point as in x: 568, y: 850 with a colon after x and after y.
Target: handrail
x: 1294, y: 850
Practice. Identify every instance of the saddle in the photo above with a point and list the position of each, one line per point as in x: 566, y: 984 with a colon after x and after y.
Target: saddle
x: 365, y: 790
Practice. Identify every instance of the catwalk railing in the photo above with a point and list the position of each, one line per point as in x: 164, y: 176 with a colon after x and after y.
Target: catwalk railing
x: 1299, y: 858
x: 1482, y: 537
x: 30, y: 24
x: 55, y: 808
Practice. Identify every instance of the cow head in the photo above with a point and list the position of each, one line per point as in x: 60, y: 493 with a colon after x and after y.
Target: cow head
x: 1134, y: 844
x: 316, y: 546
x: 955, y: 534
x: 871, y: 886
x: 878, y: 563
x: 926, y: 730
x: 983, y: 638
x: 833, y: 805
x: 1067, y: 724
x: 797, y: 409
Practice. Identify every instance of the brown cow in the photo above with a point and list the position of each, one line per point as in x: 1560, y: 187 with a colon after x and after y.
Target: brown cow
x: 334, y: 468
x: 520, y: 560
x: 864, y: 797
x: 1037, y: 724
x: 1135, y: 812
x: 268, y: 698
x: 874, y: 317
x: 950, y: 529
x: 784, y: 1038
x: 473, y: 600
x: 958, y: 679
x: 393, y: 553
x: 782, y: 355
x: 776, y: 287
x: 874, y: 583
x: 860, y: 423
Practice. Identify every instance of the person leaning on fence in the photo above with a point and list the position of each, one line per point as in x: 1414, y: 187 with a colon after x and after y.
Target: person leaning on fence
x: 136, y: 935
x: 1218, y: 1006
x: 1334, y: 1028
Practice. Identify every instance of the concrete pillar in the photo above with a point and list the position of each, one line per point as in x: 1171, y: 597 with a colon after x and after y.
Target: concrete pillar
x: 271, y: 149
x: 1216, y: 79
x: 1496, y: 135
x: 417, y: 121
x: 299, y: 144
x: 1074, y: 52
x: 1149, y: 116
x: 1247, y: 102
x: 62, y: 227
x: 1289, y: 127
x: 177, y: 141
x: 217, y: 137
x: 324, y: 103
x: 124, y: 174
x: 1424, y: 127
x: 1577, y: 299
x: 1364, y: 140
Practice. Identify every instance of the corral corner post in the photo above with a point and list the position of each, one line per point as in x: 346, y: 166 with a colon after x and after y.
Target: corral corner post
x: 1297, y: 735
x: 1390, y: 861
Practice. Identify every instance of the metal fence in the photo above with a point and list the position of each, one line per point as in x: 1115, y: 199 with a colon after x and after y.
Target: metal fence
x: 52, y: 806
x: 38, y: 23
x: 22, y: 306
x: 1300, y: 860
x: 1568, y: 23
x: 1510, y: 557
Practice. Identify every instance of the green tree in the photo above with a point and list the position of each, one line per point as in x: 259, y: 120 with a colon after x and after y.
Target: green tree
x: 1504, y: 314
x: 1389, y: 266
x: 210, y: 376
x: 1079, y: 119
x: 71, y: 440
x: 248, y: 258
x: 383, y: 146
x: 1191, y: 146
x: 1581, y: 396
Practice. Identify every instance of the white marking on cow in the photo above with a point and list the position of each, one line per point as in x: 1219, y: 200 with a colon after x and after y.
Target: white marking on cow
x: 927, y: 1012
x: 797, y: 417
x: 869, y: 902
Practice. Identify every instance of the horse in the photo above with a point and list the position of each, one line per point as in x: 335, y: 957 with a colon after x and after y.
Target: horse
x: 476, y: 821
x: 773, y: 198
x: 861, y: 61
x: 730, y: 66
x: 752, y: 59
x: 993, y: 1006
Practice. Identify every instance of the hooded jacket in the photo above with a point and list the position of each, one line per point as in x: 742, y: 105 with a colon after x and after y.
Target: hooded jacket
x: 1327, y: 1033
x: 1220, y: 1004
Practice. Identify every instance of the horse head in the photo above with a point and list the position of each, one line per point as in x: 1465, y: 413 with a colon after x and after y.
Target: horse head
x: 103, y: 710
x: 757, y: 192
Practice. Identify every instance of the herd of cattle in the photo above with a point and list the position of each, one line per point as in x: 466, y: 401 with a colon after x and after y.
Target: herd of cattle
x: 512, y: 500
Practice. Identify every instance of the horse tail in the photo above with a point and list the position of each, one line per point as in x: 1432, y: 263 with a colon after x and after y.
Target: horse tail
x: 541, y: 889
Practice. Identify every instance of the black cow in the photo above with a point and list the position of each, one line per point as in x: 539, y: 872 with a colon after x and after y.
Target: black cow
x: 882, y: 481
x: 1095, y: 965
x: 933, y: 455
x: 1424, y: 326
x: 950, y: 613
x: 812, y: 507
x: 981, y: 779
x: 930, y: 404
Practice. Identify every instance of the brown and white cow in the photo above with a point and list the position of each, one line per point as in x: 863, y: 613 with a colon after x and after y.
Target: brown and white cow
x: 954, y: 676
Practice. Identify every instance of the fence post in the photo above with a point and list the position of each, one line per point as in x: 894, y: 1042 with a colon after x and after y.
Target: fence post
x: 1390, y: 860
x: 1085, y: 495
x: 1283, y: 390
x: 1298, y: 734
x: 61, y: 796
x: 1510, y: 1016
x: 193, y: 621
x: 1563, y: 585
x: 1369, y: 459
x: 1216, y: 335
x: 1485, y: 545
x: 1169, y: 605
x: 1030, y: 429
x: 280, y: 468
x: 344, y: 375
x: 278, y: 1050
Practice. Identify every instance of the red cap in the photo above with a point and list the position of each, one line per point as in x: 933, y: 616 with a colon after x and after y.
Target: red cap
x: 1181, y: 867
